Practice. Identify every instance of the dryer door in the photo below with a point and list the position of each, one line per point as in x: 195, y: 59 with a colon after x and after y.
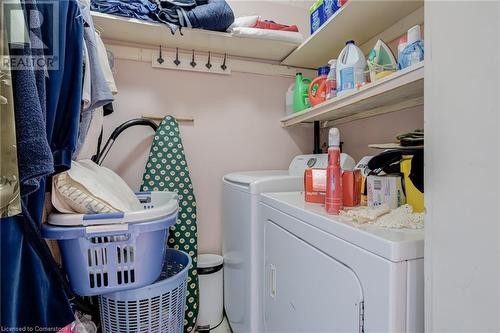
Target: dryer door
x: 305, y: 289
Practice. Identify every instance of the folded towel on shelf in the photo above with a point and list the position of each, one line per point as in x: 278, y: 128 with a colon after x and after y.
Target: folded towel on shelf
x: 282, y: 36
x: 215, y: 15
x: 244, y: 22
x: 271, y: 25
x: 139, y: 9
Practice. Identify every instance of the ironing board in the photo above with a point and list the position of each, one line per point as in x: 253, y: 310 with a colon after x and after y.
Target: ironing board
x: 167, y: 170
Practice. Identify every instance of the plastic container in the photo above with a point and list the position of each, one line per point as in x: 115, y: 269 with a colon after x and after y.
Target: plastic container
x: 331, y: 80
x: 317, y: 15
x: 413, y: 52
x: 211, y: 278
x: 300, y: 93
x: 330, y: 7
x: 289, y: 100
x: 351, y: 66
x: 334, y: 191
x: 117, y: 251
x: 317, y: 88
x: 159, y: 307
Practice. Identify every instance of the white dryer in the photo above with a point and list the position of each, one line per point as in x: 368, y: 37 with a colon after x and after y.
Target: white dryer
x: 243, y: 237
x: 323, y: 275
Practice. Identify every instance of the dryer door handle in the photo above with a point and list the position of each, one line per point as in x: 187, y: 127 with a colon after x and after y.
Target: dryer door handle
x: 273, y: 280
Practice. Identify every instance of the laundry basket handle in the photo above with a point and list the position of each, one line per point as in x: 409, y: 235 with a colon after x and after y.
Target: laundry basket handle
x: 99, y: 158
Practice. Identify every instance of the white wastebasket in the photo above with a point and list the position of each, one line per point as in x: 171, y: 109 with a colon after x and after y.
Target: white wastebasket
x: 210, y: 274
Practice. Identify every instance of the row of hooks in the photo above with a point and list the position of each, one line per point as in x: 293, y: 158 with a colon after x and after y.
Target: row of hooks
x: 193, y: 63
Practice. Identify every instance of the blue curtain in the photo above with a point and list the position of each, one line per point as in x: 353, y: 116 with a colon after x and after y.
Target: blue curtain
x: 34, y: 293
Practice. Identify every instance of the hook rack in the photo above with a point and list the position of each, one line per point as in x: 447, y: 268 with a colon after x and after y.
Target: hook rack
x: 190, y: 61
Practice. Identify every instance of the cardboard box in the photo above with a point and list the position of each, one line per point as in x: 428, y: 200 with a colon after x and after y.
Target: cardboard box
x: 315, y: 185
x: 386, y: 189
x: 317, y: 15
x: 351, y: 187
x: 331, y: 7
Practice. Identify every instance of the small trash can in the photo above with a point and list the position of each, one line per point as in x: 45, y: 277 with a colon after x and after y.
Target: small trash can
x: 211, y: 278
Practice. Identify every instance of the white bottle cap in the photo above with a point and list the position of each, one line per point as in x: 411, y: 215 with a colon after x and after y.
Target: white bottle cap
x: 413, y: 35
x: 334, y: 137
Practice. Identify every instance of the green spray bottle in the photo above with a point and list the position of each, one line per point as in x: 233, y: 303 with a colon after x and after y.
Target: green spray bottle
x: 300, y: 93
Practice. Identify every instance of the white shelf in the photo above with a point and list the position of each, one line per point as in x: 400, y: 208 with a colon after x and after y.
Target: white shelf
x: 359, y: 20
x: 401, y: 90
x: 137, y: 32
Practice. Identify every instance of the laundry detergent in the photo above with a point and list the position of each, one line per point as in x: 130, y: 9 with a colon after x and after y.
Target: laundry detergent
x: 351, y: 66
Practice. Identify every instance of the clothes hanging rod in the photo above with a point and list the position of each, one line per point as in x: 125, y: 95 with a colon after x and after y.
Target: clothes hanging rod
x: 159, y: 118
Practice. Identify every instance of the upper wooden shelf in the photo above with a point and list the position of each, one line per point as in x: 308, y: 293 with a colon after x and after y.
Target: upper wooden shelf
x: 358, y: 20
x: 401, y: 90
x: 134, y: 31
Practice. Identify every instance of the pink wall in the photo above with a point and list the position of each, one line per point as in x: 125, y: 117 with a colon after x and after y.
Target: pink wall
x: 236, y: 122
x: 381, y: 129
x: 236, y: 128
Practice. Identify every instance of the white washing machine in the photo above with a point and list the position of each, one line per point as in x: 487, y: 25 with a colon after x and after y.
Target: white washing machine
x: 323, y: 275
x: 243, y: 240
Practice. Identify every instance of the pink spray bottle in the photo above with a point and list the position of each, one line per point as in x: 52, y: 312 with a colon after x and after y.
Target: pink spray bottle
x: 334, y: 192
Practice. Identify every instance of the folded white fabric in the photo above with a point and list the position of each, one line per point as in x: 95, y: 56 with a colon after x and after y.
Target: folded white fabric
x: 365, y: 214
x: 382, y: 216
x: 402, y: 217
x: 244, y: 21
x: 277, y: 35
x: 88, y: 188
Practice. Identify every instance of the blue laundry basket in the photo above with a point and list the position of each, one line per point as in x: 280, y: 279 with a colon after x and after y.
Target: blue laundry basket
x: 158, y: 307
x: 104, y: 253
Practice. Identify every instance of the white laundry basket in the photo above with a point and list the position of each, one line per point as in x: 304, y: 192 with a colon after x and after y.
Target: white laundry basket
x: 211, y: 278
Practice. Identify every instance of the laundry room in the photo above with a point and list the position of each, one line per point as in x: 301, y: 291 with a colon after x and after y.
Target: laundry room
x: 249, y: 166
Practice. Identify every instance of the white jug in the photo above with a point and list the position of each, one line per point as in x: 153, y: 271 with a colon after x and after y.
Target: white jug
x: 351, y: 65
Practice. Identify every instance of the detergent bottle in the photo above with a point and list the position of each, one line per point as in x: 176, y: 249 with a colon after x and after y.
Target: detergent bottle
x: 350, y: 68
x: 300, y: 95
x: 317, y: 88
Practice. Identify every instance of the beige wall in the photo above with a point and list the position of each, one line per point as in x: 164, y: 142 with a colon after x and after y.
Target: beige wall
x: 236, y: 128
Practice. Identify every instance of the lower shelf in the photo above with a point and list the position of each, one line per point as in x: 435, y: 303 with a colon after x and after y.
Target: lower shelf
x: 399, y: 91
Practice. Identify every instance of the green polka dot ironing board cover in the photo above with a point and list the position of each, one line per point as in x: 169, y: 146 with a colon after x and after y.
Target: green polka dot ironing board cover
x: 167, y: 170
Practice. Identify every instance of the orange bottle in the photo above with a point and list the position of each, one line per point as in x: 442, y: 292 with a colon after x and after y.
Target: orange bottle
x: 334, y: 191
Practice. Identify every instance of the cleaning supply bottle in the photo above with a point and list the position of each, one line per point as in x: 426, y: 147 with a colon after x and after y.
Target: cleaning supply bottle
x: 300, y: 95
x: 289, y: 99
x: 334, y: 191
x: 413, y: 52
x: 351, y: 66
x: 317, y: 88
x: 331, y: 80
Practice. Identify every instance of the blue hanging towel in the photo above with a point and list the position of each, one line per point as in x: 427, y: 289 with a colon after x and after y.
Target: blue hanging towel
x: 33, y: 291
